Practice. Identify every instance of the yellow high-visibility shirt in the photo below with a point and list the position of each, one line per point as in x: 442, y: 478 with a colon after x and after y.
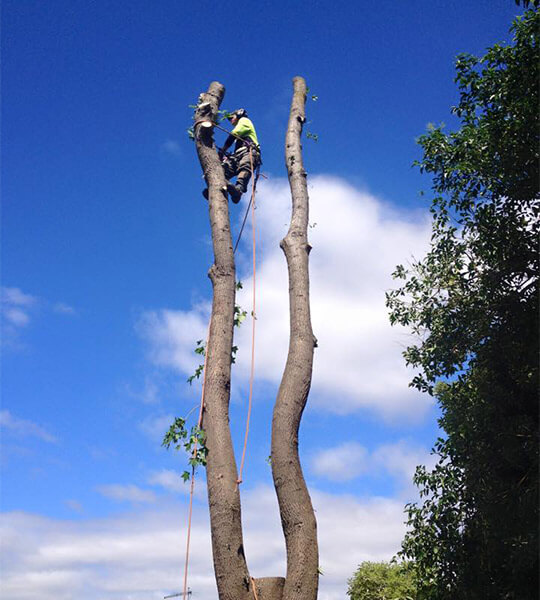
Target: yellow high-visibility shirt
x: 244, y: 129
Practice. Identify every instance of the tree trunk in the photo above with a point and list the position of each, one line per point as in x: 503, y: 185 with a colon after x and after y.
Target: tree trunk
x: 296, y: 510
x: 230, y: 567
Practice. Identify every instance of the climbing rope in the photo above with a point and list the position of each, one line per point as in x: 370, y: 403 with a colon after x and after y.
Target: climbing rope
x: 194, y: 454
x: 254, y: 587
x: 258, y: 171
x: 253, y: 320
x: 254, y: 179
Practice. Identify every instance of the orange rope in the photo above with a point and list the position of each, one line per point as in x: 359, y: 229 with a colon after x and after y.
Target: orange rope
x: 194, y: 453
x: 253, y: 319
x: 254, y: 588
x: 250, y: 400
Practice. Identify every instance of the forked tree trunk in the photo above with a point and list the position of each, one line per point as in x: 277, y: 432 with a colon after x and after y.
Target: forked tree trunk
x: 297, y: 515
x: 230, y: 567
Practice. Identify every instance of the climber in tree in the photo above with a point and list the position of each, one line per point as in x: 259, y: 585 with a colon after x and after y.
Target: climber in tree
x: 239, y: 163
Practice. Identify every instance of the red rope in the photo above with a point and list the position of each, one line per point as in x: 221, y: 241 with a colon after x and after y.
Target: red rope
x: 253, y: 319
x: 194, y: 454
x: 251, y: 378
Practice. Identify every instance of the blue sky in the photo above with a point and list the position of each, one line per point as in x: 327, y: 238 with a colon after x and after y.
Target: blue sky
x: 105, y: 250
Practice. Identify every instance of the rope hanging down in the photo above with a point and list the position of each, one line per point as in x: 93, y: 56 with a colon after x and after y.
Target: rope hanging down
x: 194, y: 454
x: 253, y: 319
x: 251, y: 205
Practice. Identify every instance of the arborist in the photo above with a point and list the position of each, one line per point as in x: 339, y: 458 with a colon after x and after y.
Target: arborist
x: 239, y: 164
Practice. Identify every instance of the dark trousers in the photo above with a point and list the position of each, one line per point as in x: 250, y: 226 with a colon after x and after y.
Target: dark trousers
x: 239, y: 165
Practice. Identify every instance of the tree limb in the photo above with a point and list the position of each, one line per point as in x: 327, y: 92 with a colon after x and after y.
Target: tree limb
x: 297, y: 515
x: 232, y: 576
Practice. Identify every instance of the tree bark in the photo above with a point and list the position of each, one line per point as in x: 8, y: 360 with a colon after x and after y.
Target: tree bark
x: 232, y: 576
x: 269, y: 588
x: 297, y: 515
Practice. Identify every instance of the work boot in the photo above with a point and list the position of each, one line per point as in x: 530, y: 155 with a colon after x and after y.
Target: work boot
x: 235, y: 192
x: 224, y: 190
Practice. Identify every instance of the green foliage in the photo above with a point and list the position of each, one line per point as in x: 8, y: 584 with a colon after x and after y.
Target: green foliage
x: 196, y: 374
x: 312, y: 136
x: 201, y: 350
x: 472, y: 304
x: 223, y: 115
x: 239, y: 315
x: 193, y: 442
x: 382, y: 581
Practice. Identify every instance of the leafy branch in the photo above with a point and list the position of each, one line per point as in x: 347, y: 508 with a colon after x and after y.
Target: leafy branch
x: 200, y: 349
x: 239, y: 315
x: 193, y: 442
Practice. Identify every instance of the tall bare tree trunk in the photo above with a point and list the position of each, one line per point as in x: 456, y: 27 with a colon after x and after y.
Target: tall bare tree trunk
x: 230, y: 567
x: 297, y: 515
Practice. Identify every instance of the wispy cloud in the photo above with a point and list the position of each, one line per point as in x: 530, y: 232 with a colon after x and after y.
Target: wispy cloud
x: 126, y: 493
x: 64, y: 309
x: 171, y: 147
x: 14, y: 296
x: 341, y: 463
x: 16, y: 307
x: 155, y: 426
x: 169, y: 480
x: 351, y: 460
x: 23, y: 428
x: 400, y: 460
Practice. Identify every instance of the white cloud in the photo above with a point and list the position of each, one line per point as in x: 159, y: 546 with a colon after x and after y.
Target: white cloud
x: 16, y: 307
x: 15, y: 297
x: 351, y: 460
x: 140, y: 555
x: 155, y: 426
x: 400, y: 460
x: 357, y: 242
x: 173, y: 335
x: 16, y: 316
x: 169, y: 480
x: 352, y: 531
x: 24, y: 428
x: 126, y: 493
x: 341, y: 463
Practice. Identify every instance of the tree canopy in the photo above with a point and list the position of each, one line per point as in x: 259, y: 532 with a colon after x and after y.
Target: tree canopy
x: 382, y: 581
x: 472, y: 304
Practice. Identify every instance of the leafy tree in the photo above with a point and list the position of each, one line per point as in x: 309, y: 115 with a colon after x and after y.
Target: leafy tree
x: 472, y: 304
x: 382, y: 581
